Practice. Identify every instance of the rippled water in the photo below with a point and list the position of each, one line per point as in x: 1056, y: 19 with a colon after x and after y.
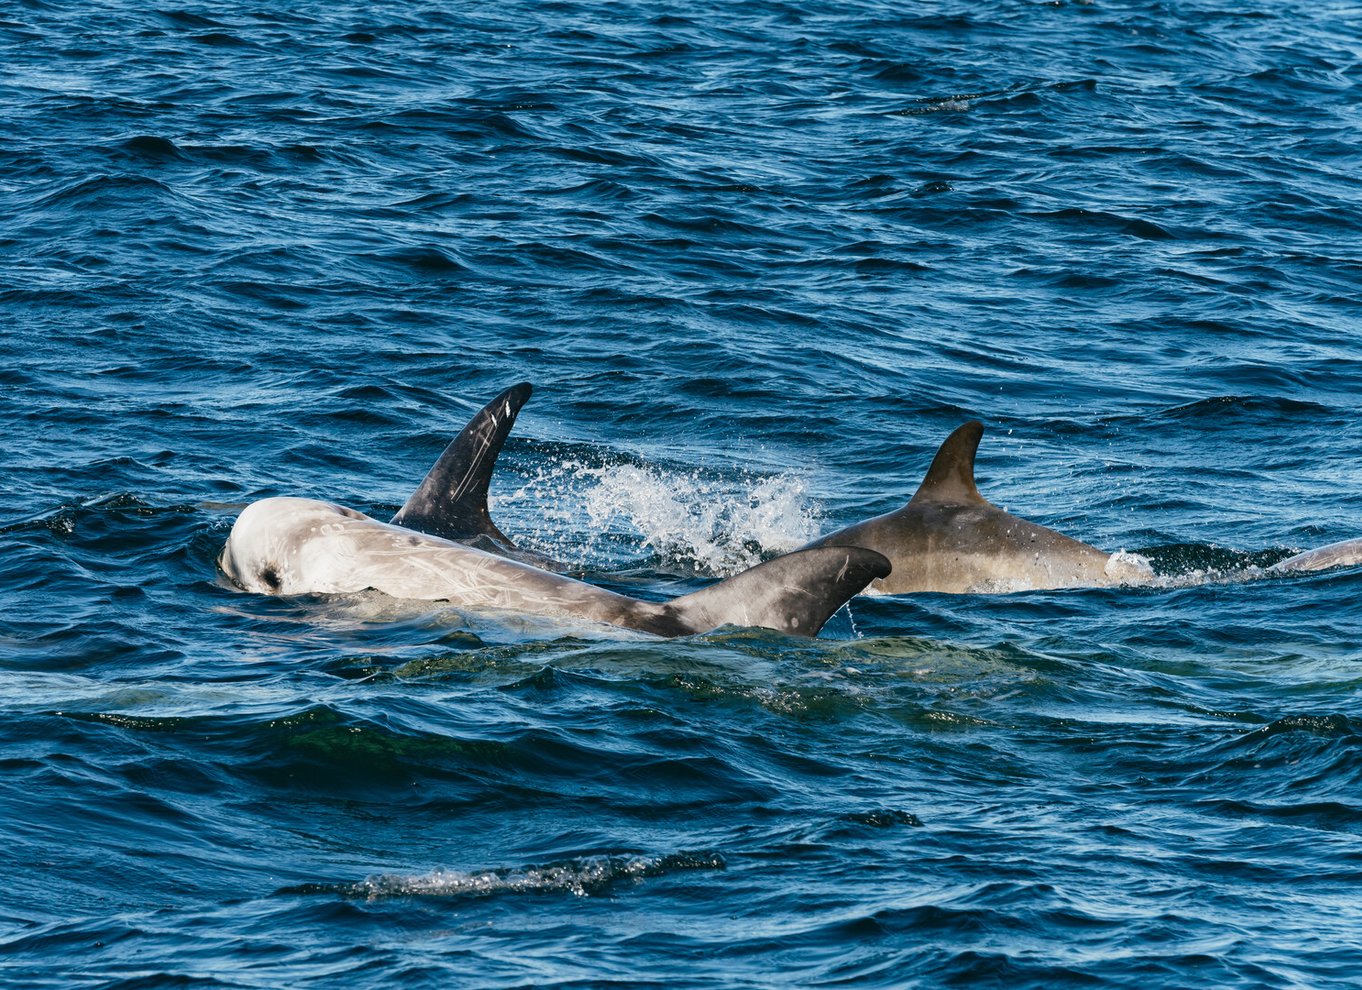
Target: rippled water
x: 758, y: 260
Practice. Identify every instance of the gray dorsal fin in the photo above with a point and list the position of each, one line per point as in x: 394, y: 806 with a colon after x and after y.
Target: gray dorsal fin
x: 794, y: 593
x: 951, y: 476
x: 452, y: 501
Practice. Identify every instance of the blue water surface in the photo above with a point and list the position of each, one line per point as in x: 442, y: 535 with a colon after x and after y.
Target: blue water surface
x: 758, y: 260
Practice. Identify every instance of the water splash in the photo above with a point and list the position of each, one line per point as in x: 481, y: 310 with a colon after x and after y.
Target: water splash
x: 598, y: 516
x: 1125, y: 567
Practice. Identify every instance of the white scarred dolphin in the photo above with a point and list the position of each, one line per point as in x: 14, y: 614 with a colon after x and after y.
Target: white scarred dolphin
x: 434, y: 550
x: 297, y: 546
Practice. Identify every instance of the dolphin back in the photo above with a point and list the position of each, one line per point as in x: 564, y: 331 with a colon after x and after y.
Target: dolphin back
x: 452, y: 500
x: 1345, y: 553
x: 795, y: 593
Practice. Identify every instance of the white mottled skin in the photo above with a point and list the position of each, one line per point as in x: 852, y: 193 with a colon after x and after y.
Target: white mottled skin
x: 296, y: 546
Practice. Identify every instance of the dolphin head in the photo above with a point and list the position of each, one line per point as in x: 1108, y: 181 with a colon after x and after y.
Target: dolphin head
x: 263, y: 551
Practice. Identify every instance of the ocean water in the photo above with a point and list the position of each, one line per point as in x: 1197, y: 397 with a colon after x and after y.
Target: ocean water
x: 758, y: 260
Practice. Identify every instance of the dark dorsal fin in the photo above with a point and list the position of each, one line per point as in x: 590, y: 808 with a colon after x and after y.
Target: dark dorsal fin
x: 794, y: 593
x: 951, y: 476
x: 452, y: 501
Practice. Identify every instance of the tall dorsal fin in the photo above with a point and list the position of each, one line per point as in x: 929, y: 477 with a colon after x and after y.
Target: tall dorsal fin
x: 452, y: 501
x: 951, y: 476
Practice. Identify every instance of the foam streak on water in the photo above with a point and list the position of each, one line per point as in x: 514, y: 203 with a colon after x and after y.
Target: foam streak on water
x: 583, y: 878
x: 758, y: 260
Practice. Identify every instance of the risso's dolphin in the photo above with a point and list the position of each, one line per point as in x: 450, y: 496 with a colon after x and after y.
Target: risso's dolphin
x: 949, y: 538
x: 297, y: 546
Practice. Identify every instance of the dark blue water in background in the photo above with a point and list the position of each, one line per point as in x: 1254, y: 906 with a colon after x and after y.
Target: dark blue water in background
x: 758, y: 259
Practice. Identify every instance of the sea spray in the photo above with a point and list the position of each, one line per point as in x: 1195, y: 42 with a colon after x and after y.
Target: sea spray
x: 598, y: 516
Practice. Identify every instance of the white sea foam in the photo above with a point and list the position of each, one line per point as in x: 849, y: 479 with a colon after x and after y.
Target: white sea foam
x: 1124, y: 567
x: 714, y: 524
x: 580, y: 877
x: 1209, y: 575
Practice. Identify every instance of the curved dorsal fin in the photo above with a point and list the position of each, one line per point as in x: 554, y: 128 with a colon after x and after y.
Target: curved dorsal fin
x: 452, y: 501
x: 794, y: 593
x: 951, y: 476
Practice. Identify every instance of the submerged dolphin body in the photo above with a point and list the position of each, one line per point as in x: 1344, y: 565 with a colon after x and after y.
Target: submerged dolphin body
x: 1344, y: 553
x: 949, y: 538
x: 294, y: 546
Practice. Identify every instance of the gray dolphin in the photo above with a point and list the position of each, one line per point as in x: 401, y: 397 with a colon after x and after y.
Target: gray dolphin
x: 296, y: 546
x: 949, y: 538
x: 1344, y: 553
